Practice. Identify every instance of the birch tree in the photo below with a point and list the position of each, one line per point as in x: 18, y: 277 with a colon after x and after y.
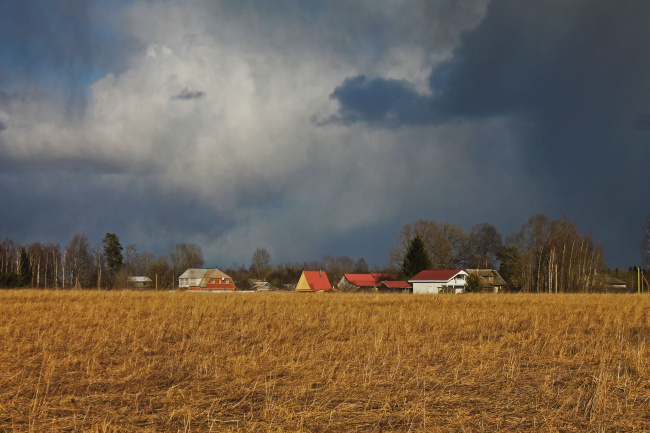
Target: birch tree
x: 645, y: 246
x: 79, y: 261
x: 551, y: 256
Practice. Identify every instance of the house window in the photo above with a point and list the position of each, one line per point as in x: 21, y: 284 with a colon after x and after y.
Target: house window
x: 226, y: 279
x: 211, y: 280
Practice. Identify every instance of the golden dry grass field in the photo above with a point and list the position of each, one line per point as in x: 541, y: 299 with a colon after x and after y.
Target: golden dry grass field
x: 144, y: 361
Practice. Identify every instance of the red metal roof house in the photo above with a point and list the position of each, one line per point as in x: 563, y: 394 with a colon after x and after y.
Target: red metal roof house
x: 393, y: 286
x: 439, y: 281
x: 371, y: 283
x: 313, y: 281
x: 359, y: 282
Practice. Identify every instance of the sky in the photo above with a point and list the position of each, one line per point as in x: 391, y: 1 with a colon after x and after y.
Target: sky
x: 321, y: 127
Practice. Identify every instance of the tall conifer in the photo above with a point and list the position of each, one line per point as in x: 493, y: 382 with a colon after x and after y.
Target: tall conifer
x: 416, y: 258
x: 112, y: 252
x: 25, y: 268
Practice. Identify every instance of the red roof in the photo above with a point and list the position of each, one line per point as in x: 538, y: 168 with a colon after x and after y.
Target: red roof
x: 367, y: 280
x: 441, y: 275
x: 397, y: 284
x: 317, y: 280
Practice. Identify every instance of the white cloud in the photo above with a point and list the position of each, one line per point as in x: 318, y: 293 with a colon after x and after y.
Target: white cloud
x: 244, y: 144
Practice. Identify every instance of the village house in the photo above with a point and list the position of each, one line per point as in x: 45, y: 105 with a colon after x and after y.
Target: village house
x: 371, y: 283
x: 609, y: 283
x: 393, y: 287
x: 141, y: 282
x: 361, y: 282
x: 439, y: 281
x: 261, y: 286
x: 490, y: 279
x: 206, y: 280
x: 313, y: 281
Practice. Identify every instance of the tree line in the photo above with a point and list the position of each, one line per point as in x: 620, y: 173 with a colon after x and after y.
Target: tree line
x: 544, y: 256
x: 79, y: 264
x: 108, y: 265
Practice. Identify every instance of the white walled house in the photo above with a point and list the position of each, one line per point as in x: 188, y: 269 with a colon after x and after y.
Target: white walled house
x: 441, y: 281
x: 191, y: 278
x: 206, y: 280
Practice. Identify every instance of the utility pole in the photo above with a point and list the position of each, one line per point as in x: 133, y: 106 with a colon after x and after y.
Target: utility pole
x: 638, y: 277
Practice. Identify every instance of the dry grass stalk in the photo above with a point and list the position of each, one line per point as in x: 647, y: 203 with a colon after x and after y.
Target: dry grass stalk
x: 138, y: 361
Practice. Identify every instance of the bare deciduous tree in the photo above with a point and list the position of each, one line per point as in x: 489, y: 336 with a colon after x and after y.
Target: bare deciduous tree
x: 78, y: 261
x: 142, y: 262
x: 645, y: 246
x: 260, y: 263
x: 131, y: 256
x: 8, y: 255
x: 551, y: 256
x: 445, y: 243
x: 336, y: 266
x: 184, y: 256
x: 483, y: 244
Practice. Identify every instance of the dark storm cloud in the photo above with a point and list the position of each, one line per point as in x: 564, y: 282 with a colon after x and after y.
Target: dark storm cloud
x: 574, y: 76
x: 642, y: 122
x: 387, y: 102
x: 2, y: 126
x: 539, y: 100
x: 584, y: 59
x: 86, y: 203
x: 578, y: 71
x: 40, y: 36
x: 59, y: 45
x: 186, y: 94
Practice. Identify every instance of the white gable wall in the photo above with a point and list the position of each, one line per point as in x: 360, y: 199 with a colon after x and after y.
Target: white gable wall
x: 426, y: 287
x: 189, y: 282
x: 433, y: 287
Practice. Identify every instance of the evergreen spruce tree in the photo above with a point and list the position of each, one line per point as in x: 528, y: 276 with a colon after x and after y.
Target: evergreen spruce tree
x: 25, y: 268
x: 416, y: 258
x: 112, y: 252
